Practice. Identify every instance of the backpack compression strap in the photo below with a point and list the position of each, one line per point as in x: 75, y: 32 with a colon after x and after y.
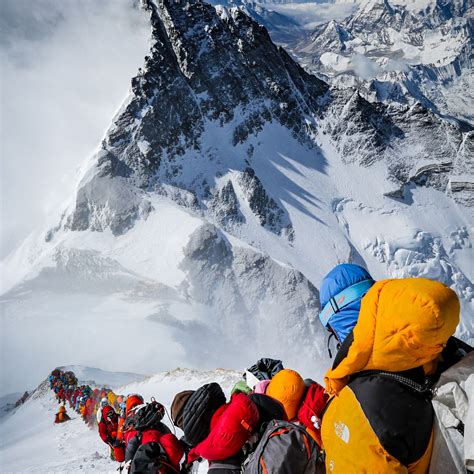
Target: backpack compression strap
x: 425, y: 389
x: 343, y: 299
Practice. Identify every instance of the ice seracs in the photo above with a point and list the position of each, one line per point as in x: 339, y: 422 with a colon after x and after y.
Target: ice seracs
x: 228, y: 184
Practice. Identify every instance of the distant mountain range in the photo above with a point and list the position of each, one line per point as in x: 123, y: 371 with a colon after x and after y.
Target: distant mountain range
x: 229, y: 182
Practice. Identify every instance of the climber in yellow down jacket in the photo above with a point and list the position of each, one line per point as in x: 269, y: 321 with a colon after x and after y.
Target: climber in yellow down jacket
x: 380, y: 417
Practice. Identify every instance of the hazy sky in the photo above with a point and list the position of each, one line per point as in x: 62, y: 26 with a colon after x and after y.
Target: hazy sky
x: 310, y: 14
x: 65, y: 68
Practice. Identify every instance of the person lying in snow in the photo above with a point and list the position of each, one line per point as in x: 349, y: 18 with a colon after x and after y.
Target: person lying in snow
x: 61, y: 415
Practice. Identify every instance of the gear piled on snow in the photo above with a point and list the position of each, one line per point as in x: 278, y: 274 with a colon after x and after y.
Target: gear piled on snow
x: 375, y: 414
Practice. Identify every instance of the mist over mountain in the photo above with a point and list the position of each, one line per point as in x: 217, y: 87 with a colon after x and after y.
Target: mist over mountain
x: 65, y: 70
x: 230, y: 181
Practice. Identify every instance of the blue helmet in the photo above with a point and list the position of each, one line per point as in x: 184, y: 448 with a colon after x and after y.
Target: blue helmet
x: 341, y: 292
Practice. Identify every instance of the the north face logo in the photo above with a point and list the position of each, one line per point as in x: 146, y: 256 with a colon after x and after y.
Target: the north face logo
x: 342, y: 431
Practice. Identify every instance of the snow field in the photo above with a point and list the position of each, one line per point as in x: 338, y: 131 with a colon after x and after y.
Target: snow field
x: 32, y: 443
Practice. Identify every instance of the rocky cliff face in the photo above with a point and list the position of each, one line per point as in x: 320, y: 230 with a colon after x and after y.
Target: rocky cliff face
x: 206, y: 69
x: 283, y: 29
x: 213, y: 85
x: 228, y: 184
x: 217, y: 73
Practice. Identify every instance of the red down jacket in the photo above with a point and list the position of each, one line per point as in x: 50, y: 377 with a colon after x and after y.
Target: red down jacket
x: 311, y: 408
x: 108, y: 425
x: 231, y: 426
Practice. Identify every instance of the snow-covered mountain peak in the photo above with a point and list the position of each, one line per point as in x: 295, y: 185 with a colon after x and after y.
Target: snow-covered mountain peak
x: 447, y: 8
x: 400, y: 52
x: 230, y: 181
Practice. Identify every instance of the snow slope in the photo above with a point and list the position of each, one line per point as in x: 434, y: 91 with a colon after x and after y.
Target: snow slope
x: 73, y: 447
x: 103, y: 293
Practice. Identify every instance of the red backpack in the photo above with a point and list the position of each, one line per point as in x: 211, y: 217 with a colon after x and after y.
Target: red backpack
x: 311, y: 409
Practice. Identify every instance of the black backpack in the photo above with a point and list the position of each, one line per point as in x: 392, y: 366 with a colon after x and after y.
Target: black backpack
x: 284, y: 448
x: 151, y: 458
x: 147, y: 417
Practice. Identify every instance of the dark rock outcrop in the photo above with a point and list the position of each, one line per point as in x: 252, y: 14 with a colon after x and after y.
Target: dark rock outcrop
x: 212, y: 82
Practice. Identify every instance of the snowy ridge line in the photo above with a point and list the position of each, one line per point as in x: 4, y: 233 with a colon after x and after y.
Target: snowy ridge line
x: 399, y: 54
x: 75, y: 446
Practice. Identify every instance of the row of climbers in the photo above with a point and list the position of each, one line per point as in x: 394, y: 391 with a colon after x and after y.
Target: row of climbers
x: 375, y: 413
x: 268, y: 426
x: 96, y: 406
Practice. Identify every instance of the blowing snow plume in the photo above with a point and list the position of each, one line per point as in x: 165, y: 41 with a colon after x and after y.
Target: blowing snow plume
x: 227, y: 185
x: 65, y: 70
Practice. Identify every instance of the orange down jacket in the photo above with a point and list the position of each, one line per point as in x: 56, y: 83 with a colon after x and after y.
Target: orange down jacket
x: 373, y: 423
x: 287, y: 386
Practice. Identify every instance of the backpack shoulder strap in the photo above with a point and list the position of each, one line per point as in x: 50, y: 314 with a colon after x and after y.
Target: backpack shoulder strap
x: 223, y: 465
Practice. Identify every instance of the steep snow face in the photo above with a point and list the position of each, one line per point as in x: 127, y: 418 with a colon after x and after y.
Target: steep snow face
x: 73, y: 447
x: 400, y: 52
x: 229, y: 183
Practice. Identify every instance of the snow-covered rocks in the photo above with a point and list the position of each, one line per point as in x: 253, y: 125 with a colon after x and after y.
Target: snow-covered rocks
x: 249, y: 295
x: 399, y: 51
x: 268, y: 212
x: 203, y: 225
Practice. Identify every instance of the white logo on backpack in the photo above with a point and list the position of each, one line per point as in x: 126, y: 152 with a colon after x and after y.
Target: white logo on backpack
x: 342, y: 431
